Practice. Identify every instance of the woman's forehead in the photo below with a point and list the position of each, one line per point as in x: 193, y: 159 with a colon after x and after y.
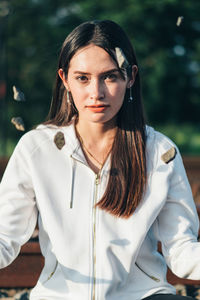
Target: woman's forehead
x: 91, y: 56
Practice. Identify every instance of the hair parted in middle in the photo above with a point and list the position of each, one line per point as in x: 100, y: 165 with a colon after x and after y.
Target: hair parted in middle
x: 127, y: 180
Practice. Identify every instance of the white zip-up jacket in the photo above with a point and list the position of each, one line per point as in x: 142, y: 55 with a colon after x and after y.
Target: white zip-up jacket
x: 90, y: 254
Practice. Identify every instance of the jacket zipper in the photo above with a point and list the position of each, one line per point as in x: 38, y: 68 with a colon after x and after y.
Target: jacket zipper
x: 150, y: 276
x: 97, y: 180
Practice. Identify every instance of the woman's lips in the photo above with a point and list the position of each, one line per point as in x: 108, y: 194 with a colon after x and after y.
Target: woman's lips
x: 97, y: 108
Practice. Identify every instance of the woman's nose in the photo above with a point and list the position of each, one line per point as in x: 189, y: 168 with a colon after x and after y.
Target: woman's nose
x: 97, y: 90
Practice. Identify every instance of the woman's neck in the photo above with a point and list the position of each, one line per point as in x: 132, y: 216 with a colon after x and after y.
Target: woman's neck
x: 96, y: 141
x: 96, y: 133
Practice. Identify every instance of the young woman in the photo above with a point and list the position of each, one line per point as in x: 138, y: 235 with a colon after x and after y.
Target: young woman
x: 104, y: 187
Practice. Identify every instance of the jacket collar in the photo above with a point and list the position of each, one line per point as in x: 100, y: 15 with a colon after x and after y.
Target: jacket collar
x: 73, y: 148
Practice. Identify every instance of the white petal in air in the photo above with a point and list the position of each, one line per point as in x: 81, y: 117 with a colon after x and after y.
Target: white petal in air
x: 18, y: 95
x: 18, y: 122
x: 179, y: 21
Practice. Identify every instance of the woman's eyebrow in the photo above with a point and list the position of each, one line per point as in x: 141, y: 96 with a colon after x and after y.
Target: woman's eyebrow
x: 103, y: 73
x: 110, y: 71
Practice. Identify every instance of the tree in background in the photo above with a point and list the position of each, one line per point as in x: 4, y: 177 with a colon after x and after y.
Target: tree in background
x: 32, y: 33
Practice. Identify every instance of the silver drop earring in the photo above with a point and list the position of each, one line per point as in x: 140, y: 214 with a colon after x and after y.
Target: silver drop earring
x: 130, y: 100
x: 68, y: 98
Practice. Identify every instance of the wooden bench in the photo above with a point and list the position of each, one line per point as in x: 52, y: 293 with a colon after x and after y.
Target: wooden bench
x: 25, y: 270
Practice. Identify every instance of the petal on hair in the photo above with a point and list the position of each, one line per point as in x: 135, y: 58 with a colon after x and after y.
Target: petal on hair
x: 121, y: 58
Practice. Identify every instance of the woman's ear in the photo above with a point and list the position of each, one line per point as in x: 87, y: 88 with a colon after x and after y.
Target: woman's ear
x: 61, y: 74
x: 134, y: 73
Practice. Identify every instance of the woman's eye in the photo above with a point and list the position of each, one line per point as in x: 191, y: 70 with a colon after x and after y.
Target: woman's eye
x: 82, y: 78
x: 110, y: 77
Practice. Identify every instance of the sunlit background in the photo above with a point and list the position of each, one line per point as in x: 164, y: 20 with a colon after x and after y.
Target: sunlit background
x: 166, y: 37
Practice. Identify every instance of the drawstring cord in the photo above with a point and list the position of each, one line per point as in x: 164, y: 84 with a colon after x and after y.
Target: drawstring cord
x: 72, y: 182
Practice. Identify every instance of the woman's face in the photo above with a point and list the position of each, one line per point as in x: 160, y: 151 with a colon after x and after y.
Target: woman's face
x: 95, y: 84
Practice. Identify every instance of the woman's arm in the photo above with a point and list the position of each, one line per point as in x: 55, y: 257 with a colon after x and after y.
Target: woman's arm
x: 18, y: 212
x: 178, y: 225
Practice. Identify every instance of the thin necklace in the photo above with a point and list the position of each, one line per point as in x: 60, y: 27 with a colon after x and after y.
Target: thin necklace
x: 84, y: 147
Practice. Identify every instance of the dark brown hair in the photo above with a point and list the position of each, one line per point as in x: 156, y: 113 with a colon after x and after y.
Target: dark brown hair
x: 127, y: 178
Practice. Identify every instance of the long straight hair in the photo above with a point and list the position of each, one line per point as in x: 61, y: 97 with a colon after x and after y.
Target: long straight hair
x: 127, y: 179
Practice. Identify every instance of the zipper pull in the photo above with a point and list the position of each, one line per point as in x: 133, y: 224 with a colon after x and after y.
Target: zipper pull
x: 155, y: 279
x: 97, y: 178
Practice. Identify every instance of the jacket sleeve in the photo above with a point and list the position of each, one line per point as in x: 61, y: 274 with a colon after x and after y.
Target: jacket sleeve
x: 178, y: 224
x: 18, y: 213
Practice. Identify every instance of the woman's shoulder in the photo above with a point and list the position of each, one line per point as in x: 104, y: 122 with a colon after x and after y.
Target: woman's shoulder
x: 158, y: 139
x: 41, y: 136
x: 159, y: 147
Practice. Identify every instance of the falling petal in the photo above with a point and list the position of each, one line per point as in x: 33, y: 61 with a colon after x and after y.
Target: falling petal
x: 179, y: 20
x: 18, y: 95
x: 18, y: 122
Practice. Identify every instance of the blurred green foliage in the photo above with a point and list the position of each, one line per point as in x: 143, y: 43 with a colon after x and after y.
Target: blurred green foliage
x: 31, y: 35
x: 186, y: 136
